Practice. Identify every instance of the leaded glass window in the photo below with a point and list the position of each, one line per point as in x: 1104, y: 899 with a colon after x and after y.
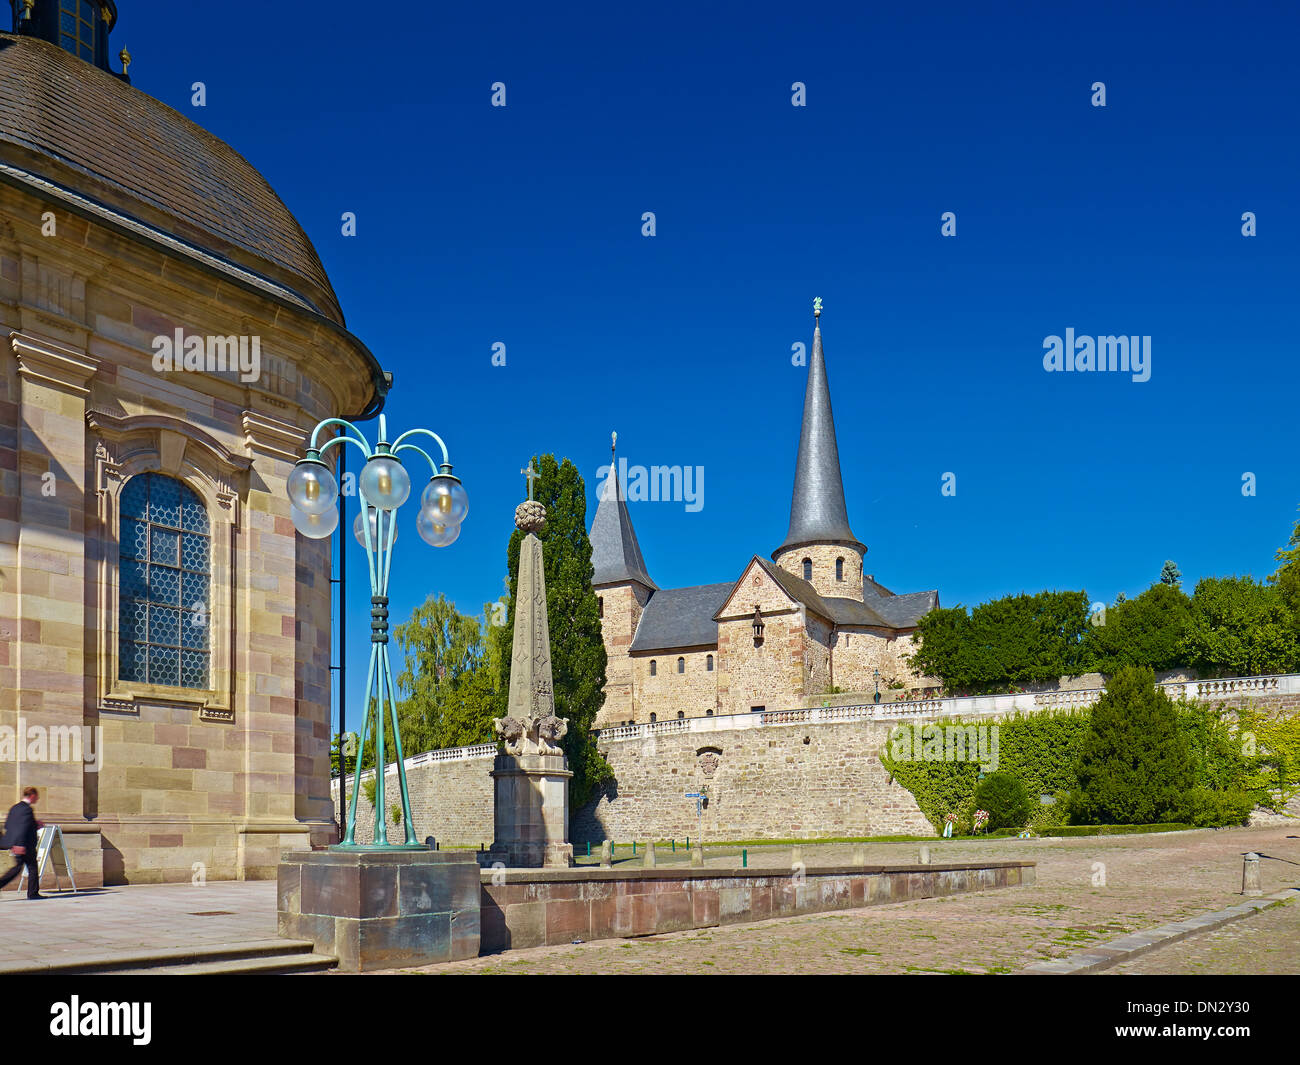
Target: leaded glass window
x: 164, y: 574
x: 77, y: 28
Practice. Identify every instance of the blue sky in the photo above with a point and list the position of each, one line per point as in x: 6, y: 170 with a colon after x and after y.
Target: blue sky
x: 522, y: 225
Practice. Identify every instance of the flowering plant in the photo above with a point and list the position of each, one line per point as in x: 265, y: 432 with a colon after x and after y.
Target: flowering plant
x: 981, y: 819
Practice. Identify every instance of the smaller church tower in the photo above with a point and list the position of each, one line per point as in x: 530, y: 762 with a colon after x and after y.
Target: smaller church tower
x: 819, y: 547
x: 623, y: 588
x: 79, y: 27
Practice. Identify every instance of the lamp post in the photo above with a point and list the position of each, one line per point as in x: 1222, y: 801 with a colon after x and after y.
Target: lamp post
x: 383, y: 486
x: 876, y: 697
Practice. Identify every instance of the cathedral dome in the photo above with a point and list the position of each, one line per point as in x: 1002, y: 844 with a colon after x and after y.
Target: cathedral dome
x: 84, y: 129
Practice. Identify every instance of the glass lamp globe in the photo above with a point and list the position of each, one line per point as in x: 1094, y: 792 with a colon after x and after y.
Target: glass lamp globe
x: 315, y: 526
x: 446, y: 496
x: 379, y: 521
x: 384, y: 482
x: 434, y: 531
x: 312, y: 487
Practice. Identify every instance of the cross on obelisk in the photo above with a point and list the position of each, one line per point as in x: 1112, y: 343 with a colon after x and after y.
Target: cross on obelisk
x: 530, y: 474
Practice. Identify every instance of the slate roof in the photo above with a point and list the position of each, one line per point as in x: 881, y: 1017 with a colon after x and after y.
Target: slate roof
x: 681, y: 617
x: 615, y: 554
x: 75, y: 125
x: 817, y: 510
x: 879, y: 611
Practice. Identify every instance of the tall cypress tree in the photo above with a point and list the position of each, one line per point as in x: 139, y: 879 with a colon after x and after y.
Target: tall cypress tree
x: 1134, y: 766
x: 578, y: 657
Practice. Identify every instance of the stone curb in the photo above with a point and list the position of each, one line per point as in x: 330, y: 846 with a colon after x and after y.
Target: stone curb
x: 171, y: 955
x: 1135, y: 943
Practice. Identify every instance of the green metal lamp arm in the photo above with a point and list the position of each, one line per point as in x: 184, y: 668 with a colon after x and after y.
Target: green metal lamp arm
x: 359, y: 439
x: 426, y: 432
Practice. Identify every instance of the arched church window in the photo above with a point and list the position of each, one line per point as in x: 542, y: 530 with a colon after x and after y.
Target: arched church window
x: 839, y: 569
x: 708, y: 663
x: 164, y: 574
x: 653, y: 668
x: 708, y: 713
x: 807, y: 569
x: 681, y: 715
x: 681, y: 665
x: 654, y: 718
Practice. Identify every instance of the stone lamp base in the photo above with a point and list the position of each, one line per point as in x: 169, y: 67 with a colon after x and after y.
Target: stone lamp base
x: 376, y: 909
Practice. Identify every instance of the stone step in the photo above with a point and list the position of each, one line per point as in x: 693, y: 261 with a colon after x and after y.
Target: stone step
x: 165, y: 959
x: 263, y: 966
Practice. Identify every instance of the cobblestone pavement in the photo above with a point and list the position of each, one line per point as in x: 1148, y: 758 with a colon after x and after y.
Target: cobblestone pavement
x: 134, y: 919
x: 1149, y: 880
x: 1088, y: 891
x: 1267, y: 944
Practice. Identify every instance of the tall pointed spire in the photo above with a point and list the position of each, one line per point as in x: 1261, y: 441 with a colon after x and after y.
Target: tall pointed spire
x: 615, y: 554
x: 817, y: 510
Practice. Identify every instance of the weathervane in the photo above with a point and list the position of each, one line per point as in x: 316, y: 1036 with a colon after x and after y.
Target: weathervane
x: 817, y: 307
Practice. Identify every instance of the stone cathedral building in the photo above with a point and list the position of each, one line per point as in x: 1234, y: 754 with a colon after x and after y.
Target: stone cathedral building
x: 164, y: 633
x: 783, y: 632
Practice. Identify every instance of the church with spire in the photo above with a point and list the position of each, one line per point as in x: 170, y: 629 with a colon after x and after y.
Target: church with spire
x: 786, y: 631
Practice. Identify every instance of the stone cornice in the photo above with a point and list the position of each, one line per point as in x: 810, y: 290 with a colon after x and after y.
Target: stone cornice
x: 273, y: 436
x: 52, y: 363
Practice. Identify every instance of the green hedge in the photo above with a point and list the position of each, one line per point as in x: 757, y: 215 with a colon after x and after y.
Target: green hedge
x: 1236, y: 766
x: 1115, y: 830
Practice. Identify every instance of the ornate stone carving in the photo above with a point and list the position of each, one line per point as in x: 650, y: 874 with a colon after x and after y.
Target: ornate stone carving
x: 530, y: 516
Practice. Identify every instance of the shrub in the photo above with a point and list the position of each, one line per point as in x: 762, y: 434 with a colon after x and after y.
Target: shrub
x: 1045, y: 819
x: 1215, y: 809
x: 1134, y: 765
x: 1006, y: 800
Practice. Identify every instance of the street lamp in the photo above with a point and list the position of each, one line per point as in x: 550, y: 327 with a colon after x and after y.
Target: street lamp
x: 876, y: 698
x: 384, y: 485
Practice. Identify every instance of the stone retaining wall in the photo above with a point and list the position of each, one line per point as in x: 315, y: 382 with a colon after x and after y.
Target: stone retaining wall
x: 801, y: 780
x: 534, y: 908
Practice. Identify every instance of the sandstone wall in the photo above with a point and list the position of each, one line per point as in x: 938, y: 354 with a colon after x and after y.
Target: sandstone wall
x: 693, y: 692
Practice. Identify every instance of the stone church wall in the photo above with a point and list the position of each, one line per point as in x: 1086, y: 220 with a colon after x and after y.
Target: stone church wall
x: 693, y: 692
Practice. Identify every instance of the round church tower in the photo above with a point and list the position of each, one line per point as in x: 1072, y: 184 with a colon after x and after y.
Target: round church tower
x: 819, y: 547
x: 167, y: 337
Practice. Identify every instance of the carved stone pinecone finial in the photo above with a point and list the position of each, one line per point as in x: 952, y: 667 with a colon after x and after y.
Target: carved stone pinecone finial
x: 530, y: 516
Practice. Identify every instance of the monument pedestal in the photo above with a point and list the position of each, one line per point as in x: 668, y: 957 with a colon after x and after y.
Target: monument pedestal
x: 531, y: 811
x: 381, y: 909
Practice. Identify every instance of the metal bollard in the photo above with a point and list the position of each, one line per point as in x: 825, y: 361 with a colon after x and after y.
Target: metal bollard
x: 634, y: 848
x: 1250, y: 875
x: 674, y: 843
x: 744, y: 858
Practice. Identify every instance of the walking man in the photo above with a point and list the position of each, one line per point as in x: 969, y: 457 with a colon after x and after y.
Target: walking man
x: 20, y: 838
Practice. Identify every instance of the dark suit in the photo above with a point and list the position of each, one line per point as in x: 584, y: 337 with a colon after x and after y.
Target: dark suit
x: 20, y: 831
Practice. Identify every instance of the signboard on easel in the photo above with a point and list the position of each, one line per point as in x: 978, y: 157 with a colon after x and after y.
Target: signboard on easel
x: 50, y: 850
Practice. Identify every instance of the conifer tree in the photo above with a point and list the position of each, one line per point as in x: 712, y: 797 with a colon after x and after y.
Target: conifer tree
x: 1134, y: 767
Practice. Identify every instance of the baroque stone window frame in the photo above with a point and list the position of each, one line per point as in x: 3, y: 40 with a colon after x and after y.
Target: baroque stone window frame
x: 124, y: 447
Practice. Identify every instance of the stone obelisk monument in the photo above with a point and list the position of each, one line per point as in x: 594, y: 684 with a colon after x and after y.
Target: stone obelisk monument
x: 531, y: 779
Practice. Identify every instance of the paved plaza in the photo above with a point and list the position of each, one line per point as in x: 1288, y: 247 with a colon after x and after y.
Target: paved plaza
x: 1089, y: 891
